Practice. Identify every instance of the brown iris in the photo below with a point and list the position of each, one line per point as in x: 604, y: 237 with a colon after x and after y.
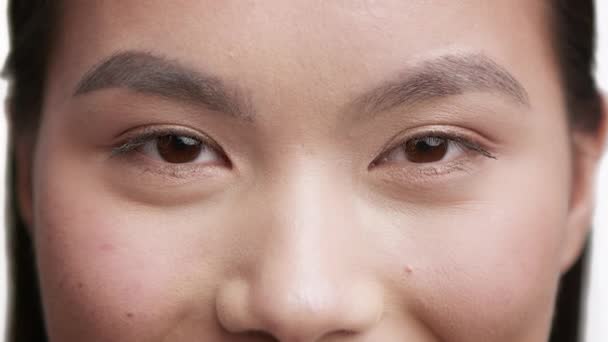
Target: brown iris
x: 178, y: 149
x: 426, y: 150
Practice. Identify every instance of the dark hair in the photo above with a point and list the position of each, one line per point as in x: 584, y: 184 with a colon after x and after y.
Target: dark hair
x: 32, y: 27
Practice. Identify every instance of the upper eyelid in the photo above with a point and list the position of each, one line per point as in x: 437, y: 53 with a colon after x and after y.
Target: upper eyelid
x: 135, y: 138
x: 466, y: 140
x: 452, y: 136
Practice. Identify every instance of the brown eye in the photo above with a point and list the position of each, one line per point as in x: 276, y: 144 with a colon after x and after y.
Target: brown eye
x: 426, y: 150
x: 179, y: 149
x: 432, y: 153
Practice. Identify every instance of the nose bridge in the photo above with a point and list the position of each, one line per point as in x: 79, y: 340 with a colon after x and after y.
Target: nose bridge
x: 309, y: 215
x: 302, y: 286
x: 299, y: 287
x: 310, y: 205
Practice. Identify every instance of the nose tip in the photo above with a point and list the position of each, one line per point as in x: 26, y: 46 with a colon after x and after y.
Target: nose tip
x: 298, y: 312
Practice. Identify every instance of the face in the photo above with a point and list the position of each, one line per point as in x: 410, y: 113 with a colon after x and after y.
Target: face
x: 299, y: 171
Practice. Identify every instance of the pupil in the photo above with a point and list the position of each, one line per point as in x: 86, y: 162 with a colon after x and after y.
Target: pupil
x: 426, y: 150
x: 178, y: 149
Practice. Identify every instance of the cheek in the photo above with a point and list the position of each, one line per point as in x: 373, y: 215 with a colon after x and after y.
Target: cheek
x: 114, y: 267
x: 494, y: 284
x: 491, y: 271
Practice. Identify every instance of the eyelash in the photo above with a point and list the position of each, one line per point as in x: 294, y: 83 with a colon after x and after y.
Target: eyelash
x: 463, y: 141
x: 136, y: 140
x: 133, y: 141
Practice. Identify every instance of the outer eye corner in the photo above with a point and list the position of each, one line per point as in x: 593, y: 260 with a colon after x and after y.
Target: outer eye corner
x: 377, y: 161
x: 225, y: 160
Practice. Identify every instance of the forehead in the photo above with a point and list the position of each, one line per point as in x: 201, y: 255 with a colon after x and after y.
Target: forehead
x: 326, y: 51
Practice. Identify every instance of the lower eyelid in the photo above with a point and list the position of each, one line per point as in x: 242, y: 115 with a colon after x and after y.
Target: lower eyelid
x: 179, y: 172
x: 432, y: 173
x: 172, y: 173
x: 457, y: 165
x: 143, y: 165
x: 439, y: 168
x: 426, y: 175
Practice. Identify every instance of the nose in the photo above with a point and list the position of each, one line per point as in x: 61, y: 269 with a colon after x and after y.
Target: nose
x: 297, y: 311
x: 304, y: 284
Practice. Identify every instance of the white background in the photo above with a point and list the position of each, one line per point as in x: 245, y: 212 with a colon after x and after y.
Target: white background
x: 597, y: 310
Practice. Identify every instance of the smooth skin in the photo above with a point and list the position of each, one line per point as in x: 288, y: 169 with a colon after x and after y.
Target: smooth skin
x: 304, y: 219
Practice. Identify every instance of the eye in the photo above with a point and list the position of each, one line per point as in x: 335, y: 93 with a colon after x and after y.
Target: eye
x: 426, y: 149
x: 178, y: 149
x: 171, y: 146
x: 432, y: 148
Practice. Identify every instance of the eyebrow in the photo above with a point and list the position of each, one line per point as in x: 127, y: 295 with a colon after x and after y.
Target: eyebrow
x: 441, y: 77
x: 146, y: 73
x: 447, y: 75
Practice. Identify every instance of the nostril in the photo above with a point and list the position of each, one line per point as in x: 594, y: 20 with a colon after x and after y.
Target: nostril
x: 261, y: 335
x: 297, y: 307
x: 340, y: 334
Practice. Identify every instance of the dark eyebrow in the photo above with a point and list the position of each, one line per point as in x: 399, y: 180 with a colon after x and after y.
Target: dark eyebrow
x: 440, y: 77
x: 147, y: 73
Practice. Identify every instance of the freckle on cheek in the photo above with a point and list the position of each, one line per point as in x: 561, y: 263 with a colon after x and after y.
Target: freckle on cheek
x: 106, y: 247
x: 129, y: 315
x: 408, y: 270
